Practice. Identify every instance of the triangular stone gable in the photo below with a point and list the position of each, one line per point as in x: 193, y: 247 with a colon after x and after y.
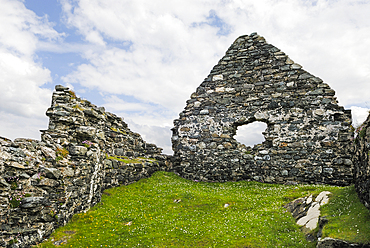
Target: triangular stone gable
x: 308, y: 134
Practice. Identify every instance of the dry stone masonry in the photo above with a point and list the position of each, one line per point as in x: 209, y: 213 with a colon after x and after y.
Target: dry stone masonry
x: 84, y: 151
x: 307, y: 137
x: 361, y: 161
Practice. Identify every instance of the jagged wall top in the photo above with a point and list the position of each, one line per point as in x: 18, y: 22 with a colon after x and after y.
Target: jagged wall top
x: 74, y: 120
x: 307, y: 136
x: 84, y: 151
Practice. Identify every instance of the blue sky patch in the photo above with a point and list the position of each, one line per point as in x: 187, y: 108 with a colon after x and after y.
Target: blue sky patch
x: 214, y: 20
x: 60, y: 64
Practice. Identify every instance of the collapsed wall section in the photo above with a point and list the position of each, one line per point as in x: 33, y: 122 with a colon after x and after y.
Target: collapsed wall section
x: 84, y: 151
x: 307, y: 137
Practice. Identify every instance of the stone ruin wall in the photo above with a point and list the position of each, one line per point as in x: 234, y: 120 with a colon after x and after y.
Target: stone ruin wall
x: 307, y: 137
x: 361, y: 160
x: 84, y: 151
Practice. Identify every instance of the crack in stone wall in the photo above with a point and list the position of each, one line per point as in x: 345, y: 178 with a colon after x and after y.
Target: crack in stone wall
x: 307, y: 137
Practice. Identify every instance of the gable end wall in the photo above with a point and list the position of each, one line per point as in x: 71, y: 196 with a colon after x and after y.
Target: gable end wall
x: 307, y: 137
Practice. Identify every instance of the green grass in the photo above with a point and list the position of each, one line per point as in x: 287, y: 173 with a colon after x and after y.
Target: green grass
x: 348, y: 217
x: 149, y: 213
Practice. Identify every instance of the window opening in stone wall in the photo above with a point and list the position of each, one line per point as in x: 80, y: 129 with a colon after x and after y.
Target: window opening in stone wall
x: 251, y: 134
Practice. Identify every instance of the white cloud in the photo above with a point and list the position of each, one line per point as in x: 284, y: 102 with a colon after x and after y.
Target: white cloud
x: 140, y: 74
x: 157, y: 135
x: 116, y: 104
x: 21, y: 28
x: 168, y: 58
x: 174, y: 45
x: 23, y: 101
x: 158, y: 52
x: 251, y: 134
x: 170, y: 55
x: 359, y: 115
x: 14, y: 126
x: 20, y: 81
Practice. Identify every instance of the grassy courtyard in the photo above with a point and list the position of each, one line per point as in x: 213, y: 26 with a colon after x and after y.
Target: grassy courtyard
x: 169, y: 211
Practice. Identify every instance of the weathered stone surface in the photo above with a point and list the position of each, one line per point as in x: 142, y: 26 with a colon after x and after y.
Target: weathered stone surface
x: 52, y: 173
x: 31, y: 202
x: 302, y: 116
x: 78, y: 150
x: 61, y: 88
x: 48, y: 183
x: 86, y: 131
x: 337, y: 243
x: 48, y: 152
x: 361, y: 160
x: 4, y: 155
x: 3, y: 183
x: 15, y: 165
x: 68, y: 170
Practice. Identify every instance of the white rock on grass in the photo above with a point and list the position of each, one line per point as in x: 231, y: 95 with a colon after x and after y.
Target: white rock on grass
x: 309, y: 199
x: 312, y: 213
x: 323, y: 198
x: 312, y: 217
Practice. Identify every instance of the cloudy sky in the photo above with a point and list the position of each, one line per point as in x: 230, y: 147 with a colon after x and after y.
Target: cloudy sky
x: 142, y: 59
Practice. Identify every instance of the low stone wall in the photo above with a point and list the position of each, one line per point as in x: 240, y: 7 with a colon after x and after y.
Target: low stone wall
x: 361, y: 161
x: 307, y: 137
x: 84, y: 151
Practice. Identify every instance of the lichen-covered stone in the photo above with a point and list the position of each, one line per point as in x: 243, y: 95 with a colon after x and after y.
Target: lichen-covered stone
x: 306, y: 130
